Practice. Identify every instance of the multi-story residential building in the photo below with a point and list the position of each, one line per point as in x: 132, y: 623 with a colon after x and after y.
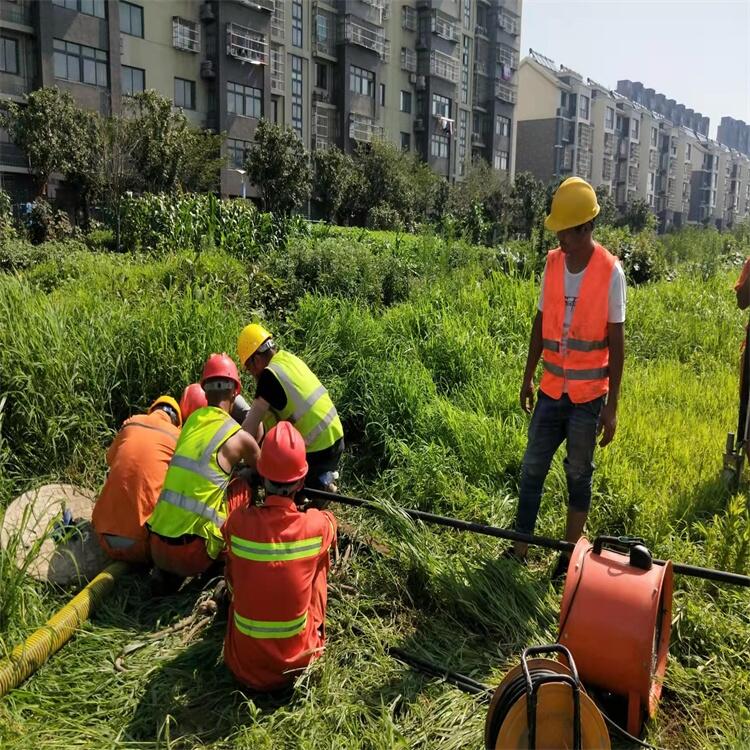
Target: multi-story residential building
x: 735, y: 134
x: 435, y: 77
x: 636, y: 143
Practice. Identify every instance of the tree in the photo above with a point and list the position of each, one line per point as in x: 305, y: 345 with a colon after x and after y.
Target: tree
x: 334, y: 173
x: 608, y: 214
x: 639, y: 217
x: 278, y: 165
x: 527, y: 204
x: 46, y: 129
x: 84, y: 173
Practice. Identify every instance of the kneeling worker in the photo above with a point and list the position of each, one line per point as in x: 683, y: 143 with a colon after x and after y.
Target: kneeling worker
x: 186, y: 522
x: 277, y: 571
x: 287, y: 390
x: 138, y: 459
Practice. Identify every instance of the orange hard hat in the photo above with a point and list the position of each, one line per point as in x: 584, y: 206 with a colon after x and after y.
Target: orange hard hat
x: 222, y: 367
x: 193, y: 397
x: 282, y: 457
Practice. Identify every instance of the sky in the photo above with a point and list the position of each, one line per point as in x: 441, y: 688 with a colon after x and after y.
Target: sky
x: 694, y: 51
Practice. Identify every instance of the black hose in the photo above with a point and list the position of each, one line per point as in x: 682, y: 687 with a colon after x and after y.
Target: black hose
x: 709, y: 574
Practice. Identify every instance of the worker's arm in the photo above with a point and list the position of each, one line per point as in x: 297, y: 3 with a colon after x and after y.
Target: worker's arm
x: 608, y: 417
x: 532, y: 360
x: 239, y: 447
x: 254, y: 419
x: 743, y: 293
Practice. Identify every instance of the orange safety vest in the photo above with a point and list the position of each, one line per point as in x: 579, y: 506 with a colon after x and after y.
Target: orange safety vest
x: 584, y: 365
x: 277, y: 570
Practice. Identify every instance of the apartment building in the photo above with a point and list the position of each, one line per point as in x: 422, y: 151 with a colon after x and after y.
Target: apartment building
x: 735, y: 134
x: 436, y: 77
x: 635, y: 142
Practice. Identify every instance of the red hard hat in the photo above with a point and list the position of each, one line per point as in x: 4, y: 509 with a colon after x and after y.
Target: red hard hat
x: 282, y: 457
x: 193, y: 397
x: 221, y: 366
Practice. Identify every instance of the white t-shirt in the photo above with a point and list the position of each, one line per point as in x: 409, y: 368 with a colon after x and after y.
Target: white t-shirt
x: 617, y: 300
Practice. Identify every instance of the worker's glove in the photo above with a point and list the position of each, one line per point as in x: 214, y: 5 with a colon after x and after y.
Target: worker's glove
x: 240, y: 409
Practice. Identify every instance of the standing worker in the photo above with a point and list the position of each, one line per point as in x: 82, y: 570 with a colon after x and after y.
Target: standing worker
x: 287, y: 390
x: 138, y: 459
x: 277, y: 571
x: 186, y: 523
x: 579, y: 334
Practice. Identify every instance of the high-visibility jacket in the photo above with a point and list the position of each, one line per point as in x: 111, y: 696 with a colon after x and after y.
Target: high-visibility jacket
x: 583, y: 364
x: 192, y: 499
x: 277, y: 570
x: 137, y: 460
x: 308, y: 406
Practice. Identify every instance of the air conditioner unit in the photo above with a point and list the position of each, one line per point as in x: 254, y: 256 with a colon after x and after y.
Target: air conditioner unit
x: 421, y: 82
x: 412, y: 78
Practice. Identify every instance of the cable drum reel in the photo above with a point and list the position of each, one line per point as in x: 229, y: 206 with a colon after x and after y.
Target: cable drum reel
x: 616, y: 619
x: 541, y: 705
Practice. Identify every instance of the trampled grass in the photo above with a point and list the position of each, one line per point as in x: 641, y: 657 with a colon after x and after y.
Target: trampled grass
x: 428, y: 390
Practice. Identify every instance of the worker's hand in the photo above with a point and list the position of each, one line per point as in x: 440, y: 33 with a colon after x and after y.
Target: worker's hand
x: 527, y: 396
x: 607, y: 424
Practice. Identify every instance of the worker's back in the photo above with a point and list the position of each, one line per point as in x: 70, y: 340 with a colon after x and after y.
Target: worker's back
x: 138, y: 460
x: 277, y: 569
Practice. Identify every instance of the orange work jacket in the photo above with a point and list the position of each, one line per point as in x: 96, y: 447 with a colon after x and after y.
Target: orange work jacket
x: 277, y: 570
x: 584, y: 364
x: 138, y: 460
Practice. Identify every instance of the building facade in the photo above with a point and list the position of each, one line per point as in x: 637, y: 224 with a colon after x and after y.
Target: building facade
x: 436, y: 77
x: 634, y: 142
x: 735, y: 134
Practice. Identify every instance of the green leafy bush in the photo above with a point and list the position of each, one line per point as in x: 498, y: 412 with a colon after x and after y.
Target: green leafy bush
x: 19, y: 255
x: 641, y: 255
x: 44, y: 223
x: 7, y: 230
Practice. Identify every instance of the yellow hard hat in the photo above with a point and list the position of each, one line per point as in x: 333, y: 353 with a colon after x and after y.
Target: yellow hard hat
x: 168, y: 401
x: 250, y: 339
x: 573, y: 204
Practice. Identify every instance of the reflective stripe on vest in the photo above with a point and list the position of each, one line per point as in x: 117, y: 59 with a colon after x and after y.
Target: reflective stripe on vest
x: 203, y: 467
x: 270, y: 628
x: 576, y: 345
x: 276, y: 551
x: 151, y: 427
x: 594, y: 374
x: 314, y: 415
x: 191, y: 506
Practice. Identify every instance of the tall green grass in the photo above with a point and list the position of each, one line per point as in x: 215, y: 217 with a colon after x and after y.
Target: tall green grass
x: 427, y: 383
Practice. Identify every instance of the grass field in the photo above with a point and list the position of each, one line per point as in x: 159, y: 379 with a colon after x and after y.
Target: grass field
x: 426, y: 377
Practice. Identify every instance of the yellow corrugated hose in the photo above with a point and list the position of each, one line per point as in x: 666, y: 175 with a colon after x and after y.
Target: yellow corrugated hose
x: 28, y: 656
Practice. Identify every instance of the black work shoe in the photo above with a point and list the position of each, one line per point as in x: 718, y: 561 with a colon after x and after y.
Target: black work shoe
x: 511, y: 554
x: 561, y: 569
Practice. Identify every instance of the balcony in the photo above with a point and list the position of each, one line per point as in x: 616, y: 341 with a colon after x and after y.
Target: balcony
x: 481, y: 68
x: 246, y: 45
x: 186, y: 35
x: 444, y: 66
x: 506, y: 93
x: 277, y: 71
x: 480, y: 30
x: 323, y: 127
x: 354, y: 32
x: 408, y: 60
x: 267, y: 5
x: 507, y: 56
x: 507, y: 23
x: 277, y: 21
x: 444, y: 26
x: 364, y: 129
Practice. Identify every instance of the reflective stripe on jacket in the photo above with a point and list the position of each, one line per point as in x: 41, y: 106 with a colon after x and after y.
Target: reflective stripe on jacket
x: 308, y: 406
x: 276, y: 568
x: 192, y: 500
x: 584, y: 364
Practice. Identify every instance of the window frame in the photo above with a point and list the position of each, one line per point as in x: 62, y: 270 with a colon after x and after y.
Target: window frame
x: 298, y: 13
x: 240, y: 92
x: 446, y: 102
x: 4, y: 41
x: 405, y: 99
x: 407, y: 146
x: 297, y: 95
x: 130, y: 8
x: 361, y: 78
x: 79, y: 54
x: 130, y: 69
x: 232, y: 150
x: 77, y: 7
x: 441, y: 144
x: 191, y: 89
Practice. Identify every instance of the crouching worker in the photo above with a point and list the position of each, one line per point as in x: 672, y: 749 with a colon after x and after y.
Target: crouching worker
x: 138, y: 459
x: 186, y: 523
x: 277, y: 572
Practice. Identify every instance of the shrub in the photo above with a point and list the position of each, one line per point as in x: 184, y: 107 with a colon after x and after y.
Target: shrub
x: 44, y: 223
x: 20, y: 255
x: 7, y: 231
x: 384, y: 216
x: 641, y: 254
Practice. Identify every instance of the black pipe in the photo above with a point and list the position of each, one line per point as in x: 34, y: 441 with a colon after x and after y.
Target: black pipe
x: 709, y: 574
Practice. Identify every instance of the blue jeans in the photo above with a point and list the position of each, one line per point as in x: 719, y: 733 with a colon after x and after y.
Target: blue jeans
x: 553, y: 421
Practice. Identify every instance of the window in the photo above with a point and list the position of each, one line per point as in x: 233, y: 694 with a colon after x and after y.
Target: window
x: 583, y: 107
x: 362, y: 81
x: 673, y: 147
x: 441, y: 105
x: 635, y: 127
x: 467, y: 14
x: 651, y: 181
x: 275, y: 111
x: 439, y: 146
x: 321, y: 28
x: 405, y: 141
x: 408, y: 18
x: 381, y: 94
x: 89, y: 7
x: 654, y: 137
x: 133, y: 80
x: 465, y: 70
x: 246, y: 101
x: 236, y: 151
x: 463, y: 126
x: 131, y: 19
x: 609, y: 118
x: 502, y: 126
x: 78, y: 63
x: 297, y: 85
x: 321, y: 76
x: 405, y: 103
x: 296, y: 23
x: 184, y: 93
x: 501, y: 160
x: 8, y: 55
x: 185, y: 35
x: 689, y: 152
